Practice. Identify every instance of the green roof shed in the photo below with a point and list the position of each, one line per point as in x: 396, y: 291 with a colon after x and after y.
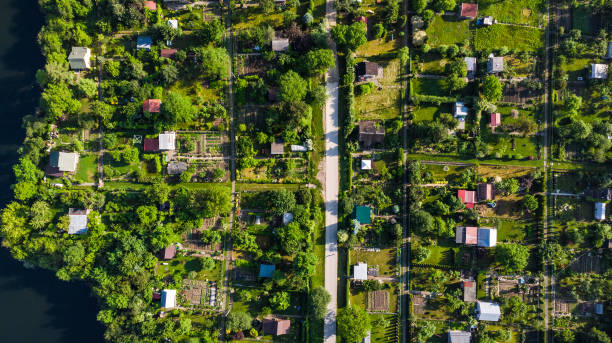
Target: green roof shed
x: 362, y: 214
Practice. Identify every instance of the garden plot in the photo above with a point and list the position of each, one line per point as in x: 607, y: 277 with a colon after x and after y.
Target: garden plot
x: 566, y: 209
x: 286, y: 170
x: 192, y: 239
x: 587, y: 263
x: 516, y: 94
x: 382, y: 100
x: 378, y: 301
x: 250, y: 65
x: 252, y: 115
x: 200, y: 293
x: 205, y: 144
x: 508, y: 288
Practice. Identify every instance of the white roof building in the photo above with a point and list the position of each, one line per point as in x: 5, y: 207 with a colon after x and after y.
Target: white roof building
x: 366, y: 164
x: 456, y: 336
x: 488, y: 311
x: 173, y: 23
x: 460, y: 111
x: 168, y: 298
x: 166, y: 141
x: 470, y: 63
x: 280, y: 44
x: 301, y: 148
x: 599, y: 71
x: 64, y: 161
x: 78, y: 221
x: 495, y: 64
x: 360, y: 271
x: 600, y: 211
x: 79, y: 58
x: 487, y: 237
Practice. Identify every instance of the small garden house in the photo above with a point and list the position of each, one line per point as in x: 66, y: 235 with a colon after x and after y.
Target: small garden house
x: 488, y: 311
x: 168, y: 298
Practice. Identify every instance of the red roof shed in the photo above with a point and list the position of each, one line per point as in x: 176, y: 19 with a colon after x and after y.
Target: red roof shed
x: 168, y: 53
x: 467, y: 197
x: 469, y: 10
x: 150, y: 5
x: 151, y: 105
x: 495, y: 120
x: 151, y: 144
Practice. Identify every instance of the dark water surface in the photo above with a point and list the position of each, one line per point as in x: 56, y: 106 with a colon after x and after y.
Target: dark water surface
x: 36, y: 306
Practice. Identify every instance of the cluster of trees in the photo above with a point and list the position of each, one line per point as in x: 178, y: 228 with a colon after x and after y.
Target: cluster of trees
x: 289, y: 116
x: 292, y: 239
x: 590, y: 139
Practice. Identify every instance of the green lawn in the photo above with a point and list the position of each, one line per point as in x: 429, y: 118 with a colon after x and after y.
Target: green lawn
x: 429, y: 113
x: 441, y: 255
x: 87, y: 169
x: 447, y: 30
x: 513, y: 37
x: 527, y: 12
x: 385, y: 259
x: 581, y: 19
x: 577, y: 67
x: 510, y: 230
x: 511, y: 146
x: 378, y: 47
x: 384, y: 101
x: 428, y: 87
x: 183, y: 265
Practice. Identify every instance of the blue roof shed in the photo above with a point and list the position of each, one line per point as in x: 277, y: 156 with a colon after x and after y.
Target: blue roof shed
x: 266, y: 270
x: 144, y: 42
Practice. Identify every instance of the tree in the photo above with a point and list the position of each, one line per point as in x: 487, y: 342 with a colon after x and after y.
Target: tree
x: 455, y: 83
x: 422, y: 222
x: 169, y: 73
x: 319, y: 298
x: 86, y: 87
x: 420, y: 254
x: 597, y: 336
x: 214, y: 62
x: 508, y: 186
x: 353, y: 323
x: 600, y: 233
x: 564, y: 336
x: 177, y: 108
x: 238, y: 321
x: 492, y: 88
x: 40, y: 215
x: 515, y: 310
x: 425, y: 330
x: 282, y: 201
x: 444, y: 5
x: 104, y: 112
x: 57, y: 100
x: 513, y: 257
x: 280, y: 301
x: 293, y: 87
x: 419, y: 5
x: 74, y: 255
x: 318, y: 61
x: 27, y: 171
x: 573, y: 103
x: 350, y: 37
x: 211, y: 32
x: 530, y: 203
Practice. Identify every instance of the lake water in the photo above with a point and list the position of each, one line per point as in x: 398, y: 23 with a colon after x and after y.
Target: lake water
x: 36, y: 306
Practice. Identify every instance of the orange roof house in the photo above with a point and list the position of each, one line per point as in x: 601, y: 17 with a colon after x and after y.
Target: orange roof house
x: 150, y: 5
x: 168, y: 53
x: 151, y: 105
x: 468, y: 11
x: 467, y: 197
x: 275, y: 326
x: 466, y: 235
